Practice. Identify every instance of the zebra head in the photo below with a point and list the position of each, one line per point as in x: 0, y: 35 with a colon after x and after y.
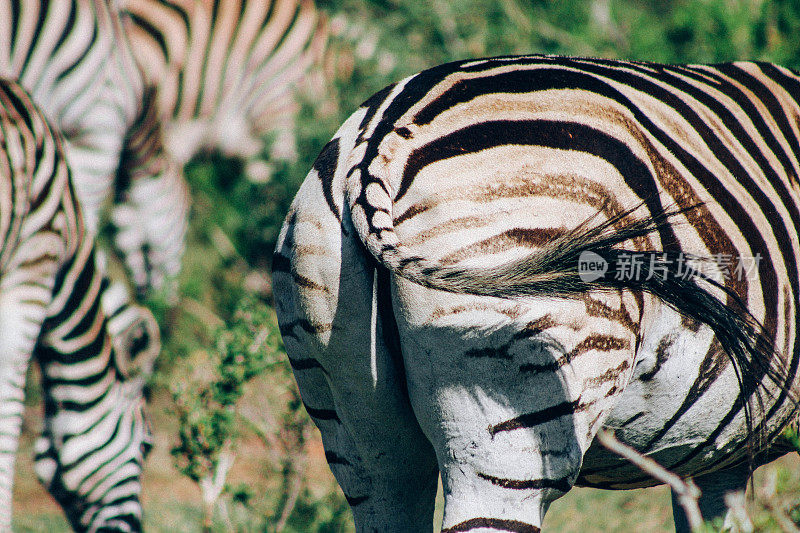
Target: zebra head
x: 151, y: 205
x: 95, y: 476
x: 91, y: 452
x: 99, y: 491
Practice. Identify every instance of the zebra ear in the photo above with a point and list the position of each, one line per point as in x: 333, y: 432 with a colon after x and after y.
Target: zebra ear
x: 137, y: 341
x: 134, y: 332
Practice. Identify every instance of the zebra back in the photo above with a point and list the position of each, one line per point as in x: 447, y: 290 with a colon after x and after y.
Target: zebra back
x: 37, y: 199
x: 66, y: 55
x: 75, y: 61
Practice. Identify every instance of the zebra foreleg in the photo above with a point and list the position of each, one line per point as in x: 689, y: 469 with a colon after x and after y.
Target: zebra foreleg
x: 713, y: 488
x: 23, y: 299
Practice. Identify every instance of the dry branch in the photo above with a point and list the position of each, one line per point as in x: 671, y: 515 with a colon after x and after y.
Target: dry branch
x: 686, y: 491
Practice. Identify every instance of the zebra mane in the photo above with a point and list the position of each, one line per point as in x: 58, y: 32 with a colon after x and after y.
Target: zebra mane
x: 553, y: 271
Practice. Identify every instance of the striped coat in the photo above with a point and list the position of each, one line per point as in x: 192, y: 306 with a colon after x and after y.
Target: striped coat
x: 74, y: 60
x: 429, y: 275
x: 226, y: 73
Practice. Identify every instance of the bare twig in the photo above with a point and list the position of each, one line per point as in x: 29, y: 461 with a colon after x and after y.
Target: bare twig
x: 448, y: 26
x: 211, y: 486
x: 767, y: 497
x: 272, y: 445
x: 223, y: 244
x: 286, y: 452
x: 516, y: 14
x: 259, y: 339
x: 569, y: 41
x: 202, y: 313
x: 604, y: 20
x: 686, y: 491
x: 293, y: 484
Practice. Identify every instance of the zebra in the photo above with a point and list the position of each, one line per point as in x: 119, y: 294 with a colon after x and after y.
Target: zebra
x: 74, y: 60
x: 225, y: 73
x: 95, y: 435
x: 430, y: 299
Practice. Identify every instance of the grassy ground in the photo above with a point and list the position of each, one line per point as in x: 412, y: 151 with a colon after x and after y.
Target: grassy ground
x: 172, y: 502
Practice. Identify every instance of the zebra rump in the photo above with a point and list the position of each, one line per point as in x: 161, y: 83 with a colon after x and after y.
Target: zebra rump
x: 554, y: 272
x: 431, y: 272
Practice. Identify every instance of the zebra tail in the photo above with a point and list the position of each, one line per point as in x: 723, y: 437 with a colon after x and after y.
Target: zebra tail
x: 553, y: 271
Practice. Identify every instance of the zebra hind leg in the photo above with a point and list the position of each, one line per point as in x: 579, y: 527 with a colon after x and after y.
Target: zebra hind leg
x: 349, y: 371
x: 375, y: 450
x: 503, y: 459
x: 713, y: 488
x: 382, y: 496
x: 511, y: 395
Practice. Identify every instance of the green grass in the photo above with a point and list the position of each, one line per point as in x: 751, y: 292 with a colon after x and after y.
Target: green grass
x: 40, y: 522
x: 172, y: 517
x: 590, y: 510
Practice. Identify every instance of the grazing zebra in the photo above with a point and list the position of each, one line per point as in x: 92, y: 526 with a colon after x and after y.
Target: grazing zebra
x: 95, y: 435
x: 429, y: 293
x: 225, y: 72
x: 73, y: 59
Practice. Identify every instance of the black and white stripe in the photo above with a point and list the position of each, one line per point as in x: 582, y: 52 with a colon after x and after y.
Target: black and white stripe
x: 427, y: 275
x: 226, y: 72
x: 95, y: 434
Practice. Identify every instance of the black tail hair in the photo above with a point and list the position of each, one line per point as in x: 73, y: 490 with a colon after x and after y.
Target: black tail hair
x: 553, y: 271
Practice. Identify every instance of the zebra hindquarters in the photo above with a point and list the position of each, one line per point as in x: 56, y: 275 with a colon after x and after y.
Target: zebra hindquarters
x: 96, y: 436
x: 511, y: 394
x: 335, y: 318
